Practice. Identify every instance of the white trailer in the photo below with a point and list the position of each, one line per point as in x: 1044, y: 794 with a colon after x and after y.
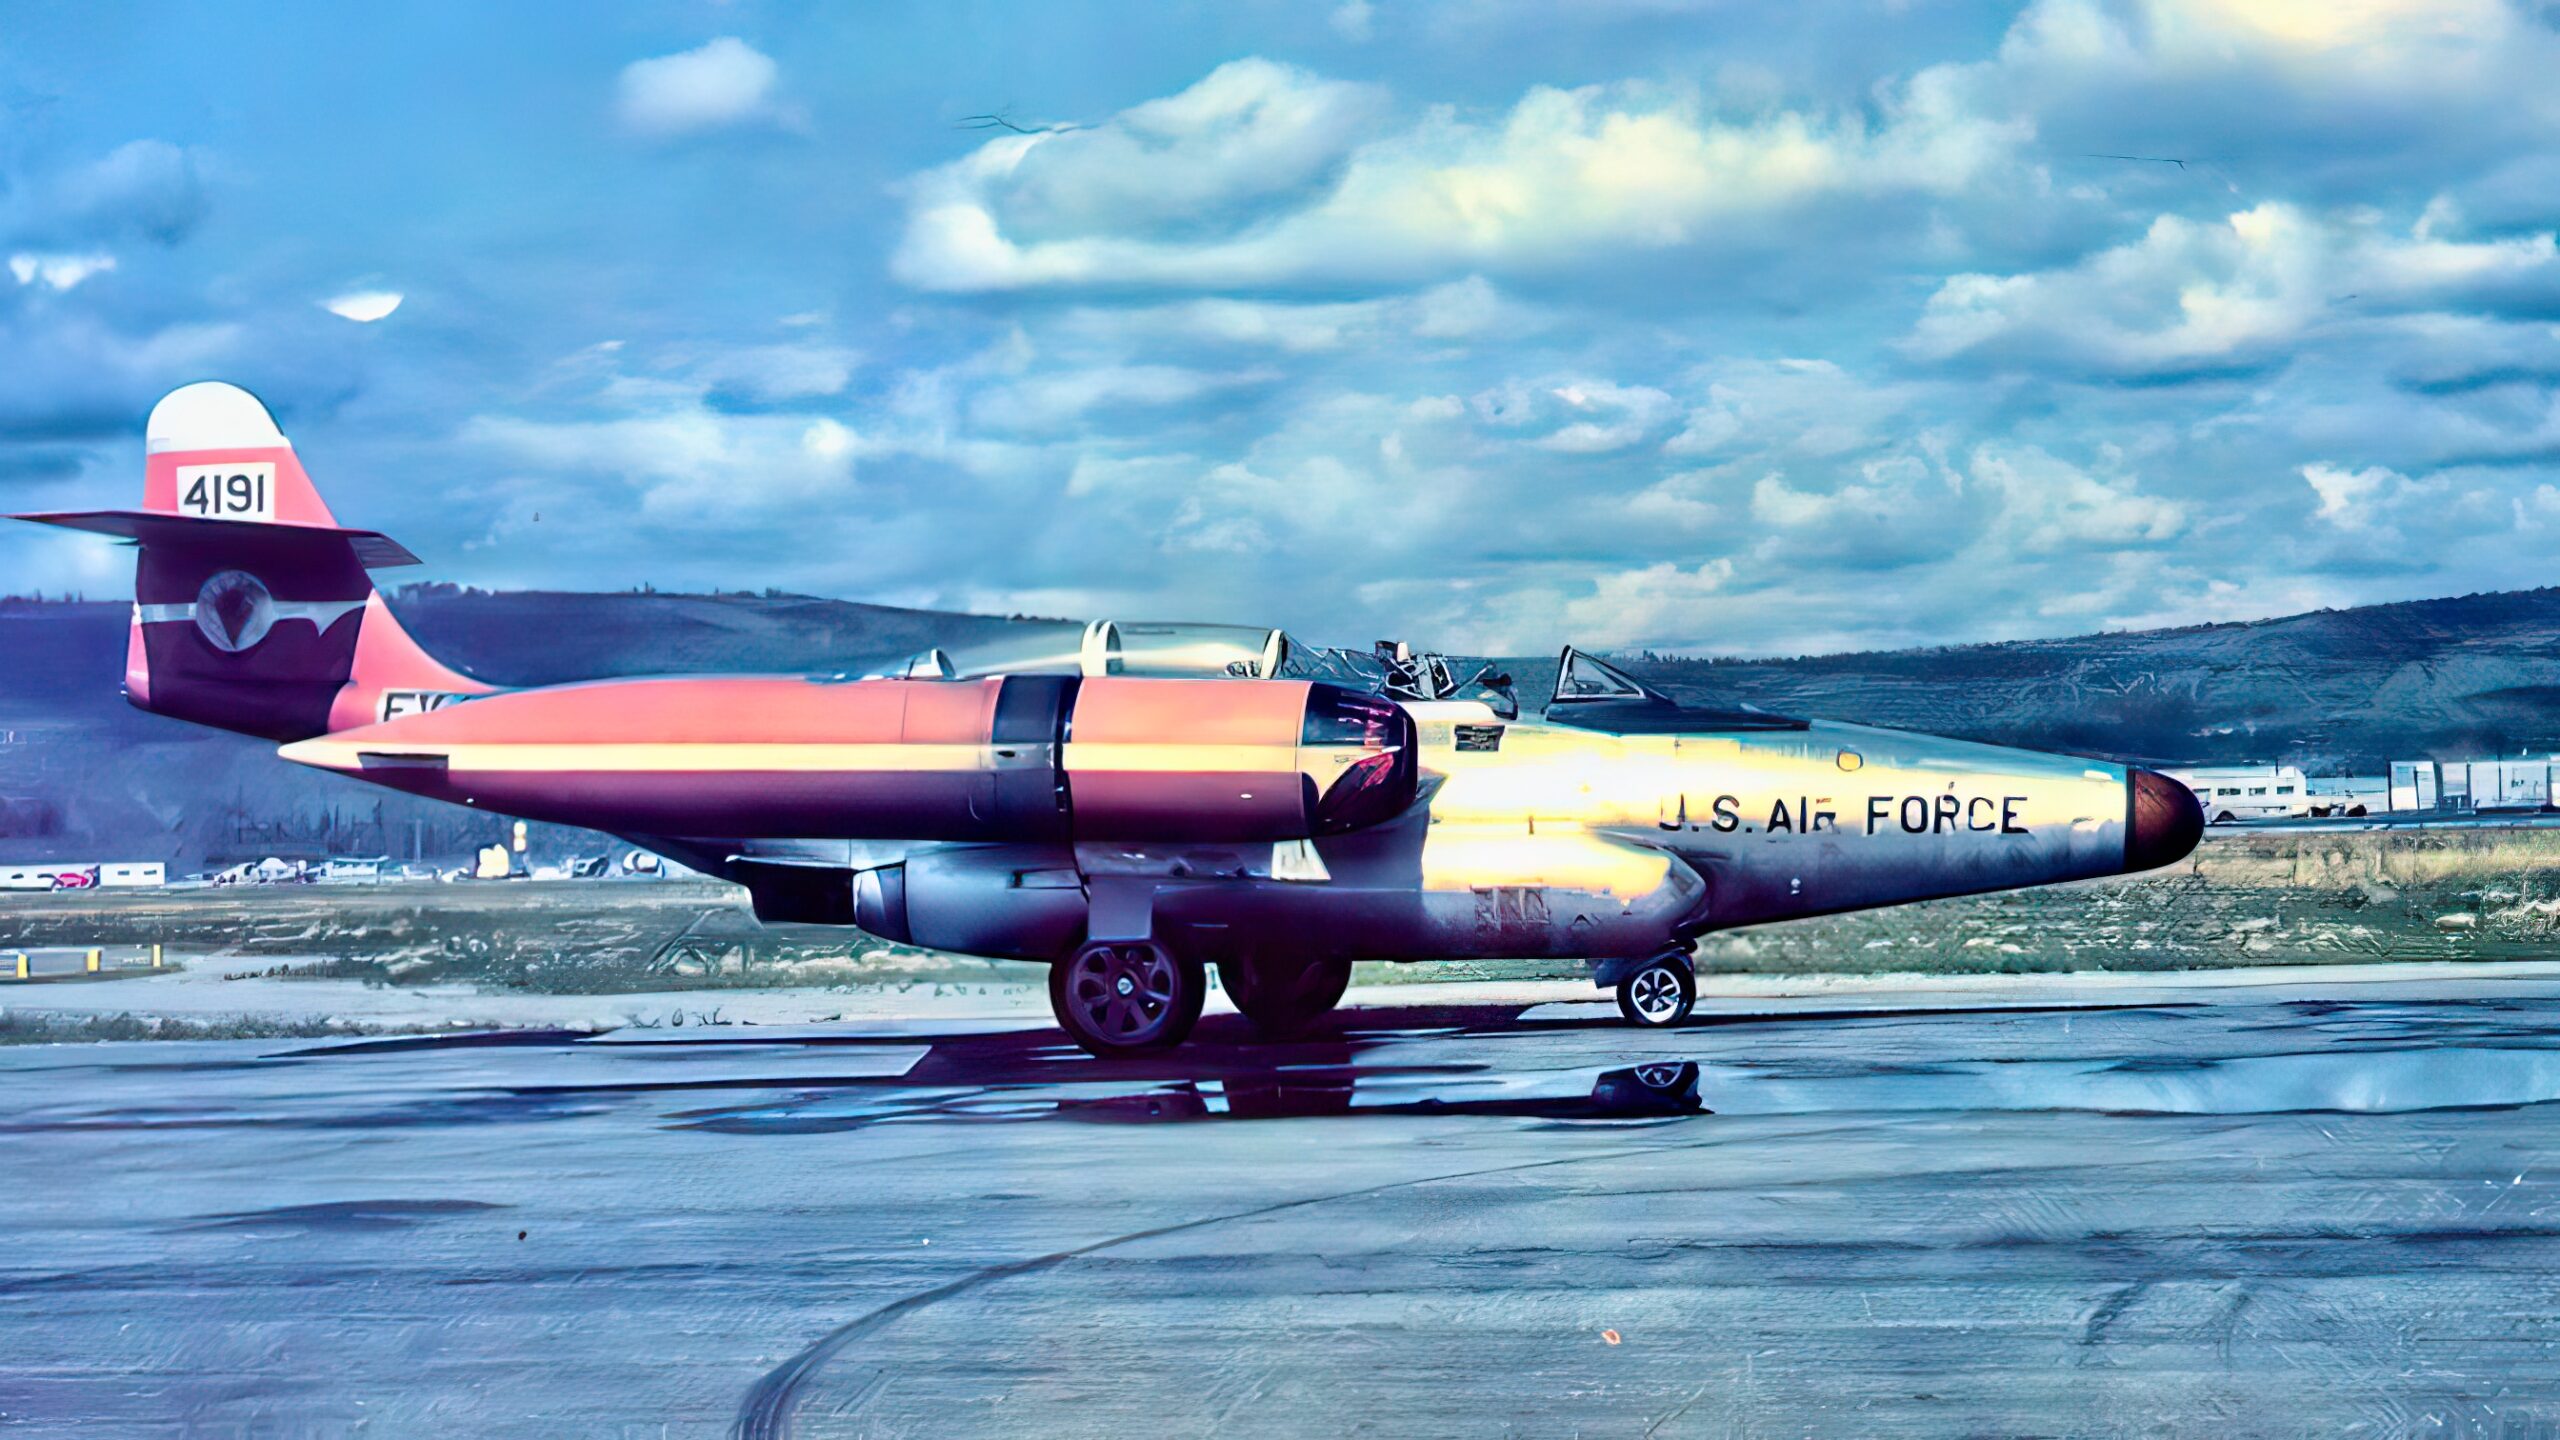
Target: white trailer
x: 2499, y: 785
x: 2416, y: 787
x: 84, y: 875
x: 2233, y: 793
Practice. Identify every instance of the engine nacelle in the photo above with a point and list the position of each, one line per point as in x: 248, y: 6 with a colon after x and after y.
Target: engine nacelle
x: 1202, y: 760
x: 1037, y: 758
x: 1024, y: 902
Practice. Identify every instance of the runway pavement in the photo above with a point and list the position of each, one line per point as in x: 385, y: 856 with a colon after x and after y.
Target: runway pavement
x: 2327, y: 1209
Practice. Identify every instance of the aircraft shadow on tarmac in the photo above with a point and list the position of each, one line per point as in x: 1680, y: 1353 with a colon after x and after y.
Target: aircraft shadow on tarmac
x: 1225, y: 1073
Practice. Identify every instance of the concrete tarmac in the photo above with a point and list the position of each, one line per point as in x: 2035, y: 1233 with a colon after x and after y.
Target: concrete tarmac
x: 2327, y: 1209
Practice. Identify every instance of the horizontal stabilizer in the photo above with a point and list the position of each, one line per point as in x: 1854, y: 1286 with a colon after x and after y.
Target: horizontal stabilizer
x: 374, y: 550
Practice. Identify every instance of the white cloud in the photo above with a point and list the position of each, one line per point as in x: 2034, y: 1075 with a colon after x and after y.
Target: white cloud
x: 1249, y: 136
x: 1565, y: 176
x: 827, y: 440
x: 2345, y: 494
x: 1351, y: 20
x: 2203, y: 295
x: 1608, y: 417
x: 363, y: 306
x: 1681, y: 501
x: 58, y: 272
x: 688, y: 463
x: 1631, y: 607
x: 724, y: 84
x: 2051, y: 507
x: 1576, y: 416
x: 1802, y: 407
x: 1892, y: 512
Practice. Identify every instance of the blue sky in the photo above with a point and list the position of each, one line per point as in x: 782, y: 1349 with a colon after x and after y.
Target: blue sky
x: 1486, y: 323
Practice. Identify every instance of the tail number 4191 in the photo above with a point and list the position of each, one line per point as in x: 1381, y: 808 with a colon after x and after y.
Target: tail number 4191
x: 228, y: 492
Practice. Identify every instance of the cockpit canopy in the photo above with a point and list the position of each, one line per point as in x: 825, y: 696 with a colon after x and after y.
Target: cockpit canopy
x: 1109, y: 647
x: 1581, y: 677
x: 1592, y: 694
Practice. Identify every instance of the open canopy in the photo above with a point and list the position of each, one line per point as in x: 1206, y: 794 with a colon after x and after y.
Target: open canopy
x: 1592, y: 694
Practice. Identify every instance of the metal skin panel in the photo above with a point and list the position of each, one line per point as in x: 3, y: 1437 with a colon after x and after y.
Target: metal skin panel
x: 1554, y: 842
x: 766, y: 756
x: 790, y: 758
x: 1187, y: 759
x: 1787, y: 823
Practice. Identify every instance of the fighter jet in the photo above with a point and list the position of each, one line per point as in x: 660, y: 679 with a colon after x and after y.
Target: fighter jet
x: 1129, y: 808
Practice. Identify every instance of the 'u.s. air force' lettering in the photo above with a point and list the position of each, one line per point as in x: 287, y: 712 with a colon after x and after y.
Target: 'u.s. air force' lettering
x: 1910, y: 814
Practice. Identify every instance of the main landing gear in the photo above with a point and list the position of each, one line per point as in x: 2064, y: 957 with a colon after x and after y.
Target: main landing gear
x: 1127, y: 997
x: 1659, y: 991
x: 1136, y: 997
x: 1283, y: 996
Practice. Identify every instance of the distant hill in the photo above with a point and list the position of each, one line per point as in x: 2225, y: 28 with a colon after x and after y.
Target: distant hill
x: 83, y: 775
x: 2338, y: 691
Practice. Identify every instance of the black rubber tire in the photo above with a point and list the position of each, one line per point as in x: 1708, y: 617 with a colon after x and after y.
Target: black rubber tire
x: 1282, y: 998
x: 1641, y: 993
x: 1083, y: 995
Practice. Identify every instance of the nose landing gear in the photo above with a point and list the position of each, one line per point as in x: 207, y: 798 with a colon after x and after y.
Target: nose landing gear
x: 1659, y: 991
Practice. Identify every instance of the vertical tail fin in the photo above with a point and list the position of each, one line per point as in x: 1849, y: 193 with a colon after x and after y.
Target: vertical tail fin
x: 252, y: 609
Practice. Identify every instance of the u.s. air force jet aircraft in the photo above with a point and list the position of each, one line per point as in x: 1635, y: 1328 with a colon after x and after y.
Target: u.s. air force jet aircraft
x: 1139, y: 804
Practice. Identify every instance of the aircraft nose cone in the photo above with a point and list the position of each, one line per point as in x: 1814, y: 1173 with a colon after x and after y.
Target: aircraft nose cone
x: 2163, y: 822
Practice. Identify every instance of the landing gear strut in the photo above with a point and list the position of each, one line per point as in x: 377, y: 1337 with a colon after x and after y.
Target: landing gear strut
x: 1126, y: 997
x: 1282, y: 997
x: 1659, y: 992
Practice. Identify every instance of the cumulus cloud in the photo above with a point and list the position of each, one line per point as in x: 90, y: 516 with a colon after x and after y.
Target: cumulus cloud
x: 1629, y: 608
x: 1684, y: 501
x: 1776, y: 344
x: 721, y: 85
x: 1803, y: 406
x: 685, y: 461
x: 2336, y: 95
x: 2053, y: 507
x: 1297, y: 181
x: 2223, y: 295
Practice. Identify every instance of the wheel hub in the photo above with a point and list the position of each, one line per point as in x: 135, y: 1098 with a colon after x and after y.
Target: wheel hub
x: 1656, y: 994
x: 1123, y: 991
